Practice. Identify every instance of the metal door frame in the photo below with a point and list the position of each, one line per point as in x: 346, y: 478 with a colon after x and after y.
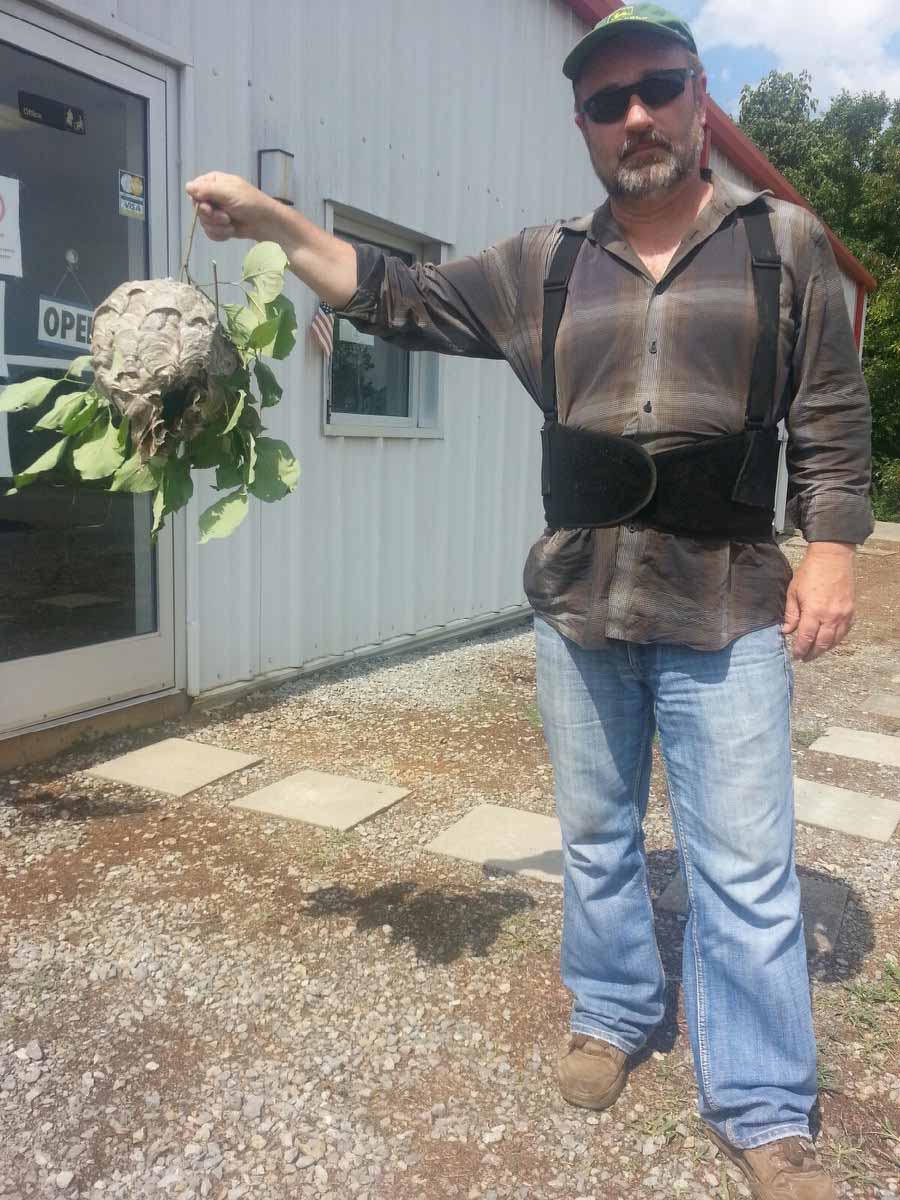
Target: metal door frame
x: 47, y: 689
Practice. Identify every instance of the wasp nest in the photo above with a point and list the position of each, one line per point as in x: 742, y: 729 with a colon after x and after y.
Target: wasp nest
x: 157, y: 352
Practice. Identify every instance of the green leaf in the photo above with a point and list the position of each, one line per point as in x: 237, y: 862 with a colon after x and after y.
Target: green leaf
x: 122, y: 435
x: 277, y: 471
x: 99, y: 455
x: 206, y: 449
x: 64, y: 411
x: 249, y: 419
x: 241, y: 322
x: 265, y: 333
x: 175, y: 487
x: 236, y: 412
x: 159, y: 508
x: 269, y: 387
x: 223, y: 517
x: 134, y: 475
x: 50, y: 459
x: 86, y: 416
x: 80, y: 365
x: 264, y: 268
x: 178, y: 487
x: 249, y: 440
x: 283, y: 341
x: 228, y: 475
x: 29, y: 394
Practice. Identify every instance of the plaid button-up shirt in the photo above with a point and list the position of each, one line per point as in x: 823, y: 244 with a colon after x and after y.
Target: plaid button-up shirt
x: 667, y: 359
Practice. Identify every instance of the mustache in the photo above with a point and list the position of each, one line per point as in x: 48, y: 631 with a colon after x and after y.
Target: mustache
x: 653, y: 138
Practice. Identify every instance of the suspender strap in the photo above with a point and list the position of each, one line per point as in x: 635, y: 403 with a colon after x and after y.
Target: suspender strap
x: 556, y: 287
x: 767, y: 286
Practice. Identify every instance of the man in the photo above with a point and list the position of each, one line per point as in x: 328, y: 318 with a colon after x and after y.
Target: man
x: 661, y: 599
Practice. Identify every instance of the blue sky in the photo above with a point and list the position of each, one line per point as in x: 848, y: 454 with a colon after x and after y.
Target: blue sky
x: 854, y: 45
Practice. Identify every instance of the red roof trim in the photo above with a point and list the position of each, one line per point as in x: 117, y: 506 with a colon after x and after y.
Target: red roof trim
x: 740, y: 150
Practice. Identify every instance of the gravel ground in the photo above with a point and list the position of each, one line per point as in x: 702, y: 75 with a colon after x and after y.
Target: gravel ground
x: 197, y: 1001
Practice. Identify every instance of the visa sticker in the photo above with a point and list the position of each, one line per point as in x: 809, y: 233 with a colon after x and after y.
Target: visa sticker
x: 132, y: 195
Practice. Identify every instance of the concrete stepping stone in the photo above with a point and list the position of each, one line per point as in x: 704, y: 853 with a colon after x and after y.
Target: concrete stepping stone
x: 858, y: 743
x: 887, y: 704
x: 332, y: 801
x: 822, y: 902
x: 175, y: 766
x: 845, y: 811
x: 510, y: 839
x: 887, y: 531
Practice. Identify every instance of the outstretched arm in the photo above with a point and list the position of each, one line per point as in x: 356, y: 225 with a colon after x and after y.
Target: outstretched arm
x: 229, y: 207
x: 465, y: 307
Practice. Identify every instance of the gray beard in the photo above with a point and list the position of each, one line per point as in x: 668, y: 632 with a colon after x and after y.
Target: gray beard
x: 678, y: 162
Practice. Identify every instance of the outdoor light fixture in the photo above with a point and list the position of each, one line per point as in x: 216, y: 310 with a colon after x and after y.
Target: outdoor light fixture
x: 275, y: 174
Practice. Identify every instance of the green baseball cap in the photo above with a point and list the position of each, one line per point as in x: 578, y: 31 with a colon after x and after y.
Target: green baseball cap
x: 647, y: 17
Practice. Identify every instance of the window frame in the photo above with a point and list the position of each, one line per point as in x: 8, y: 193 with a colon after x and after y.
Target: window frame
x: 425, y: 419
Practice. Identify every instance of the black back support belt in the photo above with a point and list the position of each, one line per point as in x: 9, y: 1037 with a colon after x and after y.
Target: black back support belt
x: 719, y: 487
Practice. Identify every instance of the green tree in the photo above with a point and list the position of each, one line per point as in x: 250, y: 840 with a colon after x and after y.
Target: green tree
x: 846, y: 162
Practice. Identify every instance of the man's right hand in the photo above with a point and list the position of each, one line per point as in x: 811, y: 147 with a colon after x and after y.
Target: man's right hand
x: 231, y: 207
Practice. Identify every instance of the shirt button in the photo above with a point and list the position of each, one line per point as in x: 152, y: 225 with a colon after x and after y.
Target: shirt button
x: 648, y: 407
x: 653, y: 347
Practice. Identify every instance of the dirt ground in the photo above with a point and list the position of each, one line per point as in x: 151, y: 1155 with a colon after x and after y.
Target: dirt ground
x: 396, y: 1014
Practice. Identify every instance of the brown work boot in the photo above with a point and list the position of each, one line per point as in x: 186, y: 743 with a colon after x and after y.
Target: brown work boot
x: 591, y: 1072
x: 784, y: 1170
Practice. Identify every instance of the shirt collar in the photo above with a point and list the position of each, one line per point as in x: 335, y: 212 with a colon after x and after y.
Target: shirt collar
x: 600, y: 225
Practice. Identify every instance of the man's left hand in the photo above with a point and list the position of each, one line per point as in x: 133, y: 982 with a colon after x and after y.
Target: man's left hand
x: 821, y: 599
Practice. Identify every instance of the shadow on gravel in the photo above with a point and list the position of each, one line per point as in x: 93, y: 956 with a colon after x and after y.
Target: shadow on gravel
x: 41, y: 805
x: 840, y: 932
x: 441, y: 925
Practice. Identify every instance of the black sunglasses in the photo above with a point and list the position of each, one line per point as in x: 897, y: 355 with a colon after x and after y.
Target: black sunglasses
x: 655, y: 90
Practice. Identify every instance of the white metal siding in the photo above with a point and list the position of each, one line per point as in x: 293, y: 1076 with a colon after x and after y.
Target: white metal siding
x: 726, y: 168
x: 452, y: 119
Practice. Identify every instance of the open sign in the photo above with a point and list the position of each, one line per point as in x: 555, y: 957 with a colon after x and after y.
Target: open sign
x: 64, y: 324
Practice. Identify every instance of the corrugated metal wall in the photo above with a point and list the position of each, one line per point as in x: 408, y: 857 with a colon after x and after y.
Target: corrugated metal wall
x: 452, y: 119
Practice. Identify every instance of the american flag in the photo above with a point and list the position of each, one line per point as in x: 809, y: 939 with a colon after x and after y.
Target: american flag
x: 322, y: 328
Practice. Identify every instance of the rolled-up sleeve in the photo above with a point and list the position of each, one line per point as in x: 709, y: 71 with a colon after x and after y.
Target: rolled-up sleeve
x: 829, y: 420
x: 466, y: 307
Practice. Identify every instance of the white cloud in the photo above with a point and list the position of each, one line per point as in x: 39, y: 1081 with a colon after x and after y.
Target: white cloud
x: 842, y: 45
x: 725, y: 74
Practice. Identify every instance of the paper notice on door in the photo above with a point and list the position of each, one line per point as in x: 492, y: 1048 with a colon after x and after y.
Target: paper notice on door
x: 10, y: 235
x: 5, y: 464
x: 3, y: 368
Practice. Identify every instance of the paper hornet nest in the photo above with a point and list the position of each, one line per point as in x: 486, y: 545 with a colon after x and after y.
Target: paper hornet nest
x: 173, y: 392
x: 157, y: 347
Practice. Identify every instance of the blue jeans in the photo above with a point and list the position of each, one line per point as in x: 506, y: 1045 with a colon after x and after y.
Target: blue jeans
x: 724, y: 732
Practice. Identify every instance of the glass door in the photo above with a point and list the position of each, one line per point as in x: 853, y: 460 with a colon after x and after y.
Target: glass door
x: 86, y: 603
